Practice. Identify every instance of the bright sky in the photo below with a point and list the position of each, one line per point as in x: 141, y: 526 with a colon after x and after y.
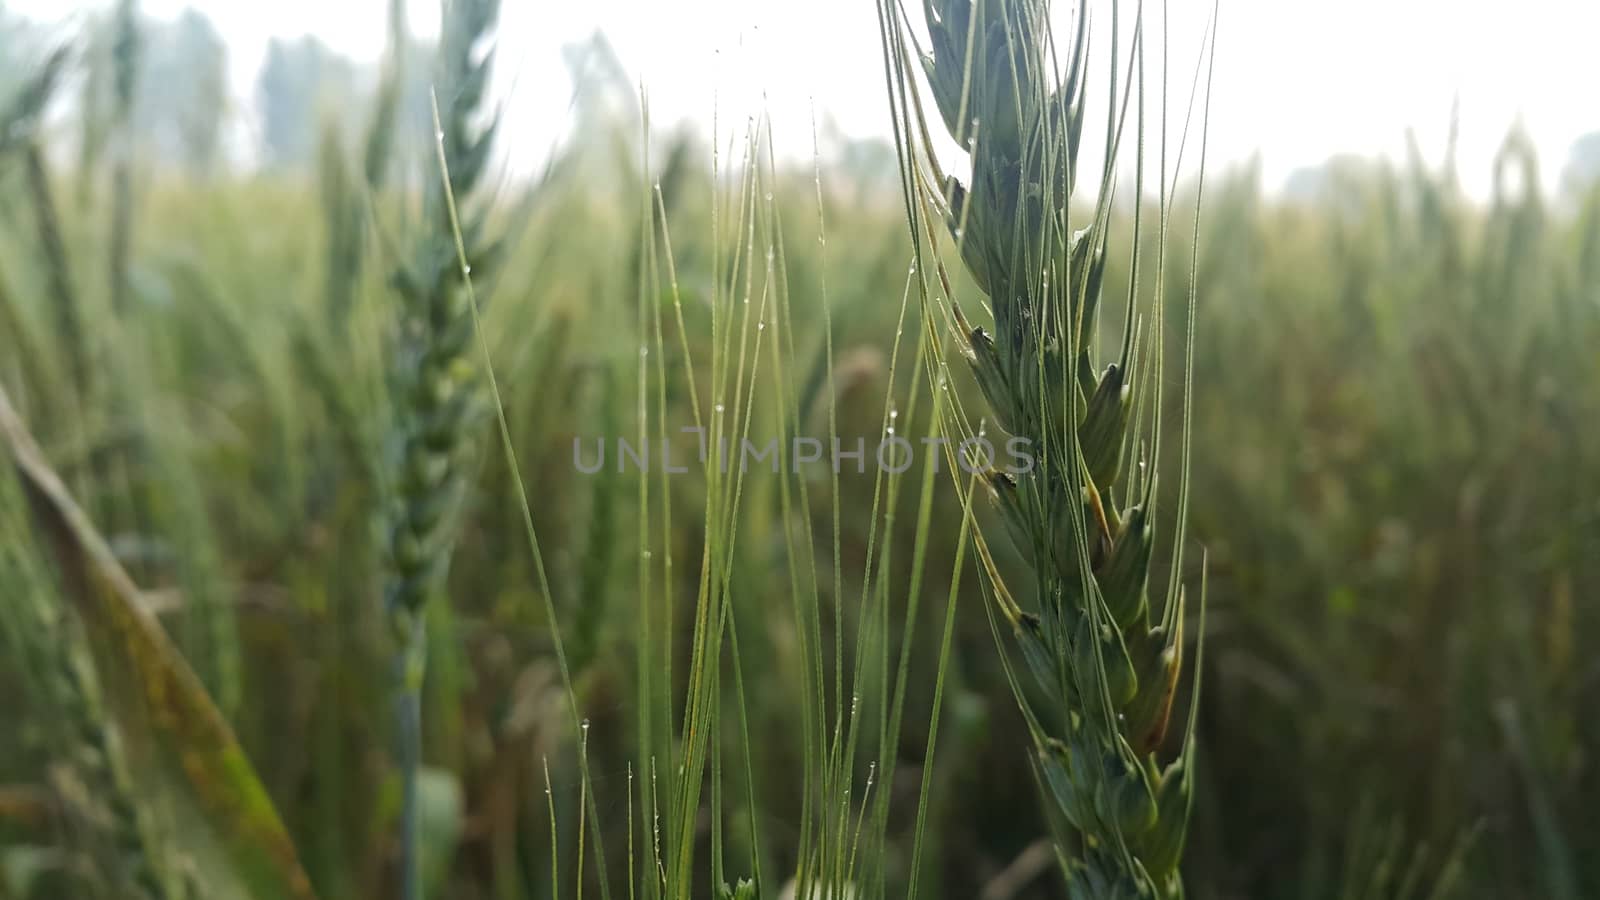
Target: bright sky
x: 1296, y: 80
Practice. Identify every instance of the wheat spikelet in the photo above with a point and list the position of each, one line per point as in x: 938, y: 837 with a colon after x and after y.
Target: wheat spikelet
x: 436, y: 384
x: 1106, y: 662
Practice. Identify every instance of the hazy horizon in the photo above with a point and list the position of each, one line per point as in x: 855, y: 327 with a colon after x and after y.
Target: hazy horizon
x: 1295, y: 83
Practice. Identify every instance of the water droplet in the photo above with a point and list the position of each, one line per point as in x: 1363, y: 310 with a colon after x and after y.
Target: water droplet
x: 585, y: 726
x: 894, y: 413
x: 719, y: 407
x: 644, y: 351
x: 891, y: 429
x: 645, y: 554
x: 959, y: 232
x: 466, y: 270
x: 761, y: 326
x: 769, y: 196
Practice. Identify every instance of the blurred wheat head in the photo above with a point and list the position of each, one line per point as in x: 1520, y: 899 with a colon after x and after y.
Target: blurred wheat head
x: 435, y: 383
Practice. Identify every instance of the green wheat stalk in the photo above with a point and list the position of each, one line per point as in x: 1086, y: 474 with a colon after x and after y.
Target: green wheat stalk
x: 1104, y: 659
x: 125, y: 58
x: 436, y: 384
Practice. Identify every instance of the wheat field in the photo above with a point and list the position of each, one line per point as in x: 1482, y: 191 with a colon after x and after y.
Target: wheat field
x: 377, y: 523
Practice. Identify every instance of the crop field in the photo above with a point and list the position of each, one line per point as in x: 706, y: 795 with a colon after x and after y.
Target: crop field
x: 952, y: 516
